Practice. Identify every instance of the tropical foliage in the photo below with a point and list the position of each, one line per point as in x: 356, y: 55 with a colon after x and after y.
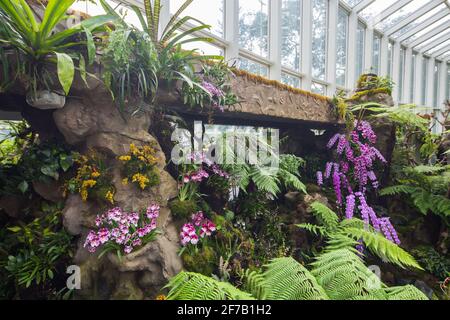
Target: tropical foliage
x: 337, y: 274
x: 32, y: 48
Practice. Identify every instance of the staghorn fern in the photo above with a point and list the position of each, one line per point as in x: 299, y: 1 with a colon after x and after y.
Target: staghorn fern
x: 344, y: 234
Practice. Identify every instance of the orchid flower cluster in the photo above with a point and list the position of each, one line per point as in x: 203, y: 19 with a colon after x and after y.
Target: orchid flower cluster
x: 207, y: 169
x: 352, y: 173
x: 122, y: 230
x: 199, y: 228
x: 217, y: 95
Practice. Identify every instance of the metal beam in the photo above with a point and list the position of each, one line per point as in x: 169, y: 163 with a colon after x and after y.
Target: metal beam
x: 441, y: 51
x: 442, y: 27
x: 435, y: 43
x: 415, y: 15
x: 389, y: 11
x: 438, y: 16
x: 362, y: 5
x: 306, y: 40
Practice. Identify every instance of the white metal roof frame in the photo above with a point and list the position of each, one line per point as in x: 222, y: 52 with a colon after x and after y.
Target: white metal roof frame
x: 413, y: 45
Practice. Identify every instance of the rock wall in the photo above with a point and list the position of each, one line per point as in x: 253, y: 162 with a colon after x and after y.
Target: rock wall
x: 259, y: 96
x: 91, y: 120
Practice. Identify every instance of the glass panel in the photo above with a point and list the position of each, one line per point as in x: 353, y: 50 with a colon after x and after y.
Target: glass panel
x: 375, y: 8
x: 401, y: 75
x: 412, y: 79
x: 401, y: 14
x: 419, y: 20
x: 376, y: 53
x: 290, y: 80
x: 253, y: 67
x: 210, y: 12
x: 95, y: 9
x: 430, y: 27
x: 424, y: 80
x: 253, y: 26
x: 291, y: 34
x: 439, y: 47
x: 390, y: 58
x: 432, y: 39
x: 319, y: 38
x: 203, y: 48
x: 341, y: 47
x: 318, y: 88
x: 360, y: 38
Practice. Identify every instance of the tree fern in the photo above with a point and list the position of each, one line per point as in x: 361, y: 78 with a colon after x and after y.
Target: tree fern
x: 268, y: 179
x: 407, y: 292
x: 337, y: 274
x: 345, y: 234
x: 427, y: 186
x: 343, y: 275
x: 194, y: 286
x: 382, y: 247
x: 325, y: 216
x: 286, y: 279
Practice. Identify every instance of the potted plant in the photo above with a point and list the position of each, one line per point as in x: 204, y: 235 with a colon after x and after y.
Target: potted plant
x: 37, y: 48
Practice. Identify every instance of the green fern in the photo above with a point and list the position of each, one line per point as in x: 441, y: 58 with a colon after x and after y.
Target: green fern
x: 382, y: 247
x: 345, y: 234
x: 194, y: 286
x: 343, y: 274
x: 337, y: 274
x: 325, y: 216
x: 268, y: 179
x: 286, y: 279
x: 427, y: 187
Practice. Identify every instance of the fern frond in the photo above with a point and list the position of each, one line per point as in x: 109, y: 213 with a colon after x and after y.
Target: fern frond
x: 286, y: 279
x: 194, y: 286
x: 407, y: 292
x: 315, y: 229
x: 382, y: 247
x: 291, y: 180
x: 265, y: 180
x: 254, y: 283
x: 396, y: 190
x: 343, y: 275
x: 325, y: 215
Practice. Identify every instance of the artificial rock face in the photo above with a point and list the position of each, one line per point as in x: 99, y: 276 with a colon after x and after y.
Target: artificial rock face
x: 92, y: 121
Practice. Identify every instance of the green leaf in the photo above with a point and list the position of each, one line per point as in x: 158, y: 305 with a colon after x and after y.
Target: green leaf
x: 65, y: 162
x: 66, y: 71
x: 82, y: 69
x: 51, y: 171
x: 15, y: 229
x: 23, y: 186
x: 90, y: 46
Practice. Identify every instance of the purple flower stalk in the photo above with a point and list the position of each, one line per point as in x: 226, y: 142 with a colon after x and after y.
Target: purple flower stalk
x: 319, y: 178
x: 350, y: 206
